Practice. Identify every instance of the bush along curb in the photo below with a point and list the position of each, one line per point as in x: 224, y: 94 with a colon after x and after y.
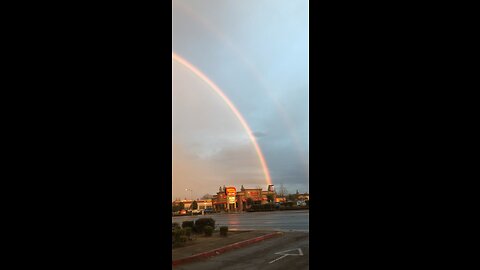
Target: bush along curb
x: 224, y: 231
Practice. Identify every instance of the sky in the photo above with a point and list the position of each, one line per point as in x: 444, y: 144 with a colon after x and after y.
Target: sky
x: 256, y: 52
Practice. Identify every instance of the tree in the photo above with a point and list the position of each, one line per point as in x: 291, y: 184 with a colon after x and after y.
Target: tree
x: 291, y: 197
x: 178, y: 207
x: 206, y: 196
x: 270, y: 197
x: 282, y: 191
x: 194, y: 205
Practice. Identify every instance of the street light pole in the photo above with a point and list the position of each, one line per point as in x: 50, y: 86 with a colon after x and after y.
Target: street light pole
x: 187, y: 189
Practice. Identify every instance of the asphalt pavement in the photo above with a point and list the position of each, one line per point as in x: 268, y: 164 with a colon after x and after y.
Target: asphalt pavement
x: 291, y: 220
x: 289, y: 251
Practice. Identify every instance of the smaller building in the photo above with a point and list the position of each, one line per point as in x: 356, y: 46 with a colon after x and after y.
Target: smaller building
x: 201, y: 204
x: 204, y: 204
x: 303, y: 197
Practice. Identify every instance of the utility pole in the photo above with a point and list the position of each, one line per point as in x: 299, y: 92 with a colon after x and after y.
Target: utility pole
x: 187, y: 189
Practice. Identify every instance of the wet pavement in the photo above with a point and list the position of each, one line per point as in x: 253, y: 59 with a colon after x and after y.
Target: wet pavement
x: 289, y: 220
x: 202, y: 244
x: 287, y: 251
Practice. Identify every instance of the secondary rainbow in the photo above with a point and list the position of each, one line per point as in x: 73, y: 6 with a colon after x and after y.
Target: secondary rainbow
x: 238, y: 53
x: 217, y: 90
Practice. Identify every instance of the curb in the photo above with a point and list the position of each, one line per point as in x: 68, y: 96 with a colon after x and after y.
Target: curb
x: 221, y: 250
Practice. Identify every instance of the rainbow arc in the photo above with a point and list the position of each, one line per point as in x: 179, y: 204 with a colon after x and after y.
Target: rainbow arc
x: 238, y: 115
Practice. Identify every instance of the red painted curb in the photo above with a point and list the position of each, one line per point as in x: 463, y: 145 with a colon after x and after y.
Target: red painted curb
x: 224, y: 249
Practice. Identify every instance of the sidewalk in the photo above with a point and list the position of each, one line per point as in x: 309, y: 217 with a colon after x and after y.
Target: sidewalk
x: 209, y: 246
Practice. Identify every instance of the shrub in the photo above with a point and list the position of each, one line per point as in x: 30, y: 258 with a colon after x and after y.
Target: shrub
x: 263, y: 207
x: 188, y: 232
x: 202, y: 222
x: 223, y: 230
x: 187, y: 223
x: 177, y: 233
x: 180, y: 242
x: 183, y: 238
x: 289, y: 204
x: 269, y: 206
x: 208, y: 230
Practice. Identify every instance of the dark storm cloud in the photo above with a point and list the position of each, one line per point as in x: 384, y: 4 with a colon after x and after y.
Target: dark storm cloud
x: 259, y: 134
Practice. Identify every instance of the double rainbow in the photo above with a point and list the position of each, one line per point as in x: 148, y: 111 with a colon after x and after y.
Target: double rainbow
x: 216, y: 89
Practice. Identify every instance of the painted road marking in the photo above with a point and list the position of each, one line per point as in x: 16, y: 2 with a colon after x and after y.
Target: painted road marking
x: 300, y: 253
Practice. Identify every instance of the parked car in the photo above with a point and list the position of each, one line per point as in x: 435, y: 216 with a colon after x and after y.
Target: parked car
x: 301, y: 203
x: 183, y: 212
x: 208, y: 211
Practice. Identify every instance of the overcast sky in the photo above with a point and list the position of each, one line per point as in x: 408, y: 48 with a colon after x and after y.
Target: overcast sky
x: 256, y: 51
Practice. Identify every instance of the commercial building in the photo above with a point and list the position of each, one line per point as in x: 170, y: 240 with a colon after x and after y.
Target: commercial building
x: 201, y: 204
x: 303, y: 197
x: 229, y: 199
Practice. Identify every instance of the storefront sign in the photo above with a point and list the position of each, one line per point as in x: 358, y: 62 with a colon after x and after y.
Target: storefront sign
x: 231, y: 193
